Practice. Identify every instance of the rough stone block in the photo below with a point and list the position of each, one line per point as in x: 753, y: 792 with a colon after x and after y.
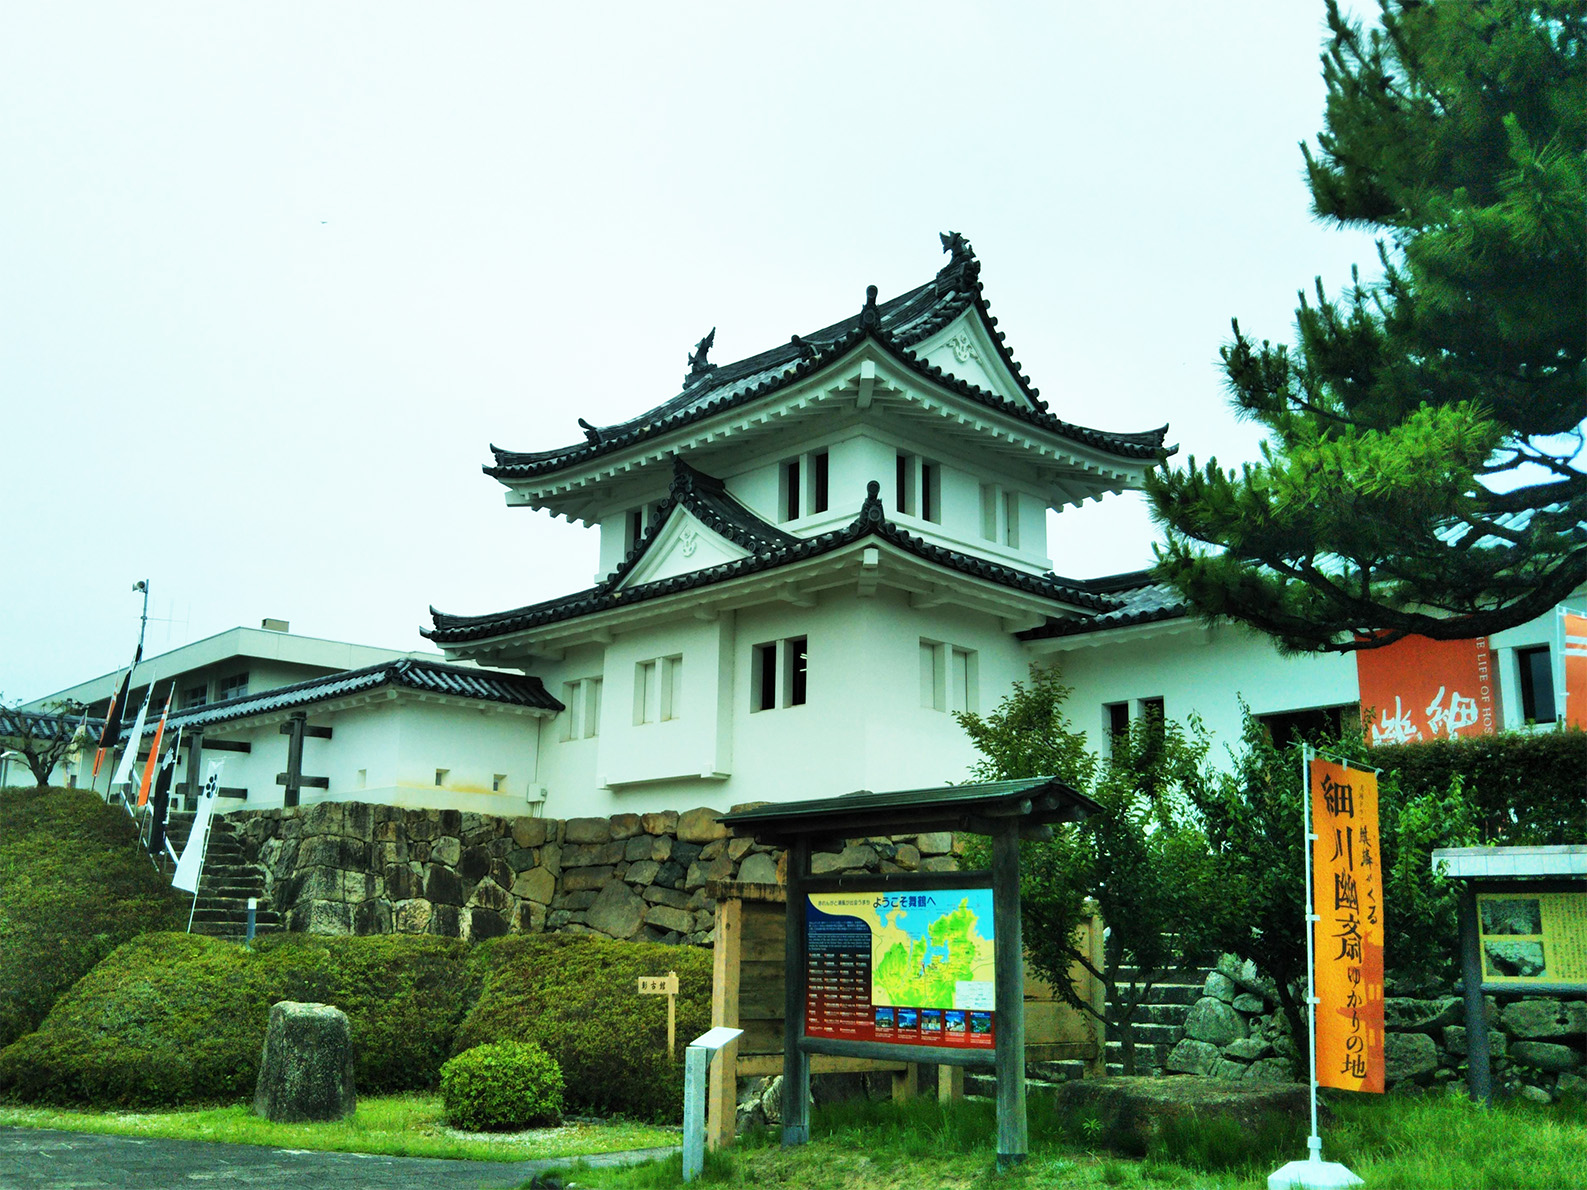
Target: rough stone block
x: 663, y: 823
x: 1455, y: 1042
x: 402, y: 882
x: 1270, y: 1070
x: 306, y: 1068
x: 638, y: 848
x: 446, y: 850
x: 531, y: 918
x: 321, y: 917
x: 1214, y: 1022
x: 700, y: 826
x: 642, y: 873
x: 696, y: 876
x: 1544, y: 1055
x: 657, y: 894
x: 485, y: 923
x: 587, y: 830
x: 576, y: 901
x: 490, y: 895
x: 667, y: 918
x: 474, y: 864
x: 1543, y: 1017
x: 720, y: 868
x: 412, y: 917
x: 759, y: 868
x: 935, y: 843
x: 1404, y: 1015
x: 713, y: 849
x: 1408, y: 1055
x: 1220, y: 987
x: 907, y: 856
x: 1192, y: 1057
x: 442, y: 886
x: 444, y: 921
x: 333, y: 851
x: 939, y: 863
x: 738, y: 847
x: 617, y: 911
x: 1248, y: 1049
x: 575, y: 879
x: 670, y: 874
x: 625, y: 826
x: 855, y: 855
x: 529, y: 832
x: 685, y: 853
x: 1250, y: 1005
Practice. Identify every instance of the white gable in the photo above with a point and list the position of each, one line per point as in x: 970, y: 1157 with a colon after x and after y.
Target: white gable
x: 683, y: 545
x: 963, y: 349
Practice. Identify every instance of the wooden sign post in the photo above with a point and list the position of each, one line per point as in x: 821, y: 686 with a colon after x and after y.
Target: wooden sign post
x: 665, y: 985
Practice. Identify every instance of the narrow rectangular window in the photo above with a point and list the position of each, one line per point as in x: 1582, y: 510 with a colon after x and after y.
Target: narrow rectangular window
x: 765, y: 676
x: 1011, y: 519
x: 906, y: 484
x: 818, y: 481
x: 796, y: 653
x: 931, y: 676
x: 671, y: 688
x: 592, y: 707
x: 645, y: 693
x: 930, y: 502
x: 363, y: 778
x: 636, y: 529
x: 1537, y: 684
x: 790, y: 490
x: 1116, y: 719
x: 440, y: 777
x: 961, y: 694
x: 498, y: 782
x: 989, y: 511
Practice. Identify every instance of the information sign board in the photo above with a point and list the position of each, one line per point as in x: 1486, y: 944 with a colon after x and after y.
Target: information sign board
x: 1533, y: 938
x: 910, y: 968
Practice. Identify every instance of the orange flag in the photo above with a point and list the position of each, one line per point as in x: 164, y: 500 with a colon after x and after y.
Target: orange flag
x: 153, y: 762
x: 1347, y: 897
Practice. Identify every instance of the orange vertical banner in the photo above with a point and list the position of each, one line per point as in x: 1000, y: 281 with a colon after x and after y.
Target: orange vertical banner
x: 1575, y: 669
x: 1347, y: 897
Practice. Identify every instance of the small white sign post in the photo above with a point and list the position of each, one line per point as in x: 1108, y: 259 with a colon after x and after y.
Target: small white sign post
x: 696, y: 1063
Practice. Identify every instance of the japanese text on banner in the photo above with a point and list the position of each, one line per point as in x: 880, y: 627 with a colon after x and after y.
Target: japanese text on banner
x: 1347, y: 897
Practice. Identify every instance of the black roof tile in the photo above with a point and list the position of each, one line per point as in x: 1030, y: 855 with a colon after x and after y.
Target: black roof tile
x: 1139, y: 598
x: 767, y: 552
x: 897, y: 325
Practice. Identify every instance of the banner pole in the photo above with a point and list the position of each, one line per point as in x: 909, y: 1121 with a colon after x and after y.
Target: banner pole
x: 1314, y: 1141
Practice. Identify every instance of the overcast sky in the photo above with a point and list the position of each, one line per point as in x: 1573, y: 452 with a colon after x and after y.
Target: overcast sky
x: 274, y: 276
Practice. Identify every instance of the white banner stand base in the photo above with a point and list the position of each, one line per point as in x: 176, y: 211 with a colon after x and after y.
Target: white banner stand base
x: 1311, y: 1174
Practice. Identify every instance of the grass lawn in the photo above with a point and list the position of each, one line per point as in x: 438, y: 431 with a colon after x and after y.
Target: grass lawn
x: 394, y: 1125
x: 1430, y: 1143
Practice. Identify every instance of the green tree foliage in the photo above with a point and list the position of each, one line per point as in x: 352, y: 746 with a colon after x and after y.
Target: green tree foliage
x: 1254, y: 822
x: 1417, y: 476
x: 1143, y: 857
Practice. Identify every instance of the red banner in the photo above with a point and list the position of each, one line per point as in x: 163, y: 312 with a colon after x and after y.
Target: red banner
x: 1347, y: 897
x: 1575, y: 669
x: 1420, y: 689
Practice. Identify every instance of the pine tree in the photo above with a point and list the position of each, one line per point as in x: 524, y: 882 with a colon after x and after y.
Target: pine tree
x: 1421, y: 472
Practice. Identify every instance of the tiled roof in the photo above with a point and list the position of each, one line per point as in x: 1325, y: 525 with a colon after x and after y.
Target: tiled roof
x: 770, y: 548
x: 1138, y: 599
x: 44, y: 725
x: 897, y: 326
x: 410, y: 673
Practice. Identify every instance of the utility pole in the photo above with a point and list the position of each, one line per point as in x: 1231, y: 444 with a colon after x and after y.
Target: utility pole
x: 142, y: 585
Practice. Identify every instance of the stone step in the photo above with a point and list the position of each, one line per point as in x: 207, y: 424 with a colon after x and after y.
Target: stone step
x: 1162, y: 1014
x: 1148, y: 1052
x: 1155, y: 1034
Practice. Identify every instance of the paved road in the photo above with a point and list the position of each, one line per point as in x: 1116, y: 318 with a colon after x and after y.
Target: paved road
x: 40, y: 1159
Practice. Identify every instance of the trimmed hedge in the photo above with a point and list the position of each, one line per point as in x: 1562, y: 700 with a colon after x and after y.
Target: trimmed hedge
x: 1527, y: 788
x: 177, y: 1018
x: 576, y: 997
x: 503, y: 1087
x: 74, y: 885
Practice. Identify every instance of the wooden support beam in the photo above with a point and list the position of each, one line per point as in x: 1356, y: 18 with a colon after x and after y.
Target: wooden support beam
x: 228, y: 745
x: 796, y: 1063
x: 726, y: 961
x: 310, y: 732
x: 1013, y: 1141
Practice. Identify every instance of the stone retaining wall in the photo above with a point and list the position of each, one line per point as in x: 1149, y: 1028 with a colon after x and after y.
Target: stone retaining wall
x: 1538, y: 1044
x: 354, y: 868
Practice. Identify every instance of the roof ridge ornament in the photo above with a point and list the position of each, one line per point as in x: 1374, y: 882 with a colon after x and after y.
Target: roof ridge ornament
x: 962, y: 267
x: 805, y: 349
x: 870, y: 316
x: 590, y: 432
x: 698, y: 364
x: 871, y: 511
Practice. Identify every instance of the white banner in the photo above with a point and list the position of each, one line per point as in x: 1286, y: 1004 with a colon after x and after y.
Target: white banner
x: 134, y: 744
x: 188, y: 868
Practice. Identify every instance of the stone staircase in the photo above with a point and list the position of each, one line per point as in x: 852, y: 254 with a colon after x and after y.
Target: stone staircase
x: 229, y: 879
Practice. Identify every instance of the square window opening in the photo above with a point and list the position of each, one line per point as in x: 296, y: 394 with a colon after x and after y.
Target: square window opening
x: 1537, y: 684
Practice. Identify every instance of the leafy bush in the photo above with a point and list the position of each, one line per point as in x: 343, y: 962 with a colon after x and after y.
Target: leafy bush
x: 576, y: 998
x: 502, y: 1087
x: 174, y: 1018
x: 1525, y: 788
x: 74, y: 885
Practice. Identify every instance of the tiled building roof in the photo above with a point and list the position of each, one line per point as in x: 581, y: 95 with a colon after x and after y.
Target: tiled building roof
x: 44, y: 725
x: 897, y: 326
x: 1137, y: 597
x: 427, y: 677
x: 769, y: 548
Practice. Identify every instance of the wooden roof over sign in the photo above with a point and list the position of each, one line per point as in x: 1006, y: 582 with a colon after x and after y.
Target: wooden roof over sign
x: 981, y: 809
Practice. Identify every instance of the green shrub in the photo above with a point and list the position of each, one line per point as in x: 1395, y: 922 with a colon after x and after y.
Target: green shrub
x: 577, y: 998
x: 174, y: 1018
x: 74, y: 885
x: 502, y: 1087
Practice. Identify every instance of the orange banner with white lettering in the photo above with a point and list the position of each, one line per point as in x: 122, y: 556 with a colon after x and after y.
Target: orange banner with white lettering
x: 1347, y: 897
x: 1575, y: 669
x: 1420, y: 689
